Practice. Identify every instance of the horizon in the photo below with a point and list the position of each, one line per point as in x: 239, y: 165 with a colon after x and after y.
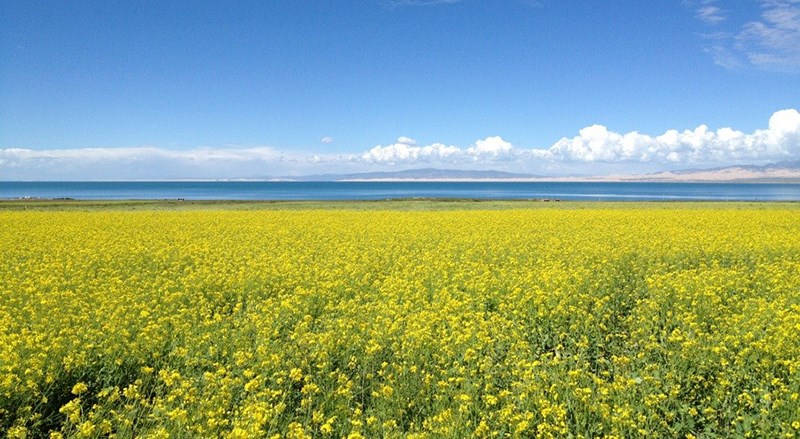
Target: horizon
x: 111, y: 91
x: 788, y: 172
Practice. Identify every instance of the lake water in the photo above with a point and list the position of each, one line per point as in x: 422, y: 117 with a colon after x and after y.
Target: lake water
x: 239, y: 190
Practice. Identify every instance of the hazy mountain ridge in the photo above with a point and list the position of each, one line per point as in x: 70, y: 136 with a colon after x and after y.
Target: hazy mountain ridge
x: 781, y: 172
x: 419, y: 174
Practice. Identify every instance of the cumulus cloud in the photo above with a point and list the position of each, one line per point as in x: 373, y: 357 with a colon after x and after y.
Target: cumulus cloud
x: 770, y: 43
x: 596, y: 143
x: 406, y: 140
x: 491, y: 147
x: 781, y: 140
x: 406, y: 150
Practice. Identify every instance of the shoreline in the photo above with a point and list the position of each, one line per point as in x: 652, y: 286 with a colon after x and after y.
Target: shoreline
x: 677, y: 179
x: 710, y: 178
x: 396, y: 204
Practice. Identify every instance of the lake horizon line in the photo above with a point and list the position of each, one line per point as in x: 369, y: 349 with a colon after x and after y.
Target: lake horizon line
x: 378, y: 190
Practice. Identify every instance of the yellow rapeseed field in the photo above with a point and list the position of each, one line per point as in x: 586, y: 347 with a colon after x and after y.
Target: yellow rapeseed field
x: 617, y: 322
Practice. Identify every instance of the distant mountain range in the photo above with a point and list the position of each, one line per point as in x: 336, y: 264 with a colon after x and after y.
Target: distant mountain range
x: 419, y: 174
x: 783, y: 172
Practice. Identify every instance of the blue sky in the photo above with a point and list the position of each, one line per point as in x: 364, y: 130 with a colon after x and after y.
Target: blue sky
x: 140, y: 90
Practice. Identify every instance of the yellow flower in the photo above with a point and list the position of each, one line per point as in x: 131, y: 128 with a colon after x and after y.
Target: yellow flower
x: 17, y: 432
x: 79, y: 388
x: 296, y: 374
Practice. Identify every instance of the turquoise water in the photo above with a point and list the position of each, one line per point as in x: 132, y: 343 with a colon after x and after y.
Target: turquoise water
x: 391, y: 190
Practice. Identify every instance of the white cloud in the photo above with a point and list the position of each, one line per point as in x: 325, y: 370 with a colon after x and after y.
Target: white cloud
x: 773, y: 43
x: 710, y: 14
x: 142, y: 153
x: 770, y: 43
x: 490, y: 146
x: 785, y: 121
x: 406, y: 140
x: 701, y: 145
x: 594, y: 149
x: 596, y: 143
x: 724, y: 57
x: 404, y: 152
x: 326, y: 140
x: 139, y: 163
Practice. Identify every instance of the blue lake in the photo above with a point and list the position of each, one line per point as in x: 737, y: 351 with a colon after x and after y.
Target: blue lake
x: 240, y: 190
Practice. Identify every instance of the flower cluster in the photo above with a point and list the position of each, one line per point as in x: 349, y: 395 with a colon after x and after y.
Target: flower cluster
x: 590, y: 321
